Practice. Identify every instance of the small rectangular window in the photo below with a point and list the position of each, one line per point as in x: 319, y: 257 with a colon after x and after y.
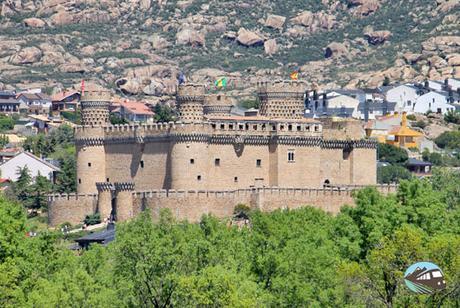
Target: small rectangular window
x: 217, y: 162
x: 142, y: 163
x: 79, y: 181
x: 235, y: 179
x: 346, y: 153
x: 192, y: 161
x: 198, y: 178
x: 107, y: 179
x: 89, y: 164
x: 258, y: 162
x: 291, y: 156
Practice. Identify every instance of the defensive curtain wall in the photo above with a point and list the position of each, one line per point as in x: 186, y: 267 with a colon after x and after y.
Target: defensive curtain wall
x: 191, y: 205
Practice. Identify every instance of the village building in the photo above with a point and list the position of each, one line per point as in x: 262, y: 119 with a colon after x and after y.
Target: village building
x: 453, y: 84
x: 404, y: 137
x: 8, y: 103
x: 370, y: 110
x: 433, y: 102
x: 65, y: 101
x: 10, y: 169
x: 37, y: 103
x: 405, y: 96
x: 418, y: 167
x: 7, y: 153
x: 133, y: 111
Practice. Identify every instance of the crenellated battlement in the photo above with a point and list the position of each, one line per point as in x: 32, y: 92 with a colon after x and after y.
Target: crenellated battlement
x: 282, y: 86
x: 124, y: 186
x: 71, y: 197
x: 96, y: 96
x: 104, y: 186
x: 331, y: 190
x: 191, y: 89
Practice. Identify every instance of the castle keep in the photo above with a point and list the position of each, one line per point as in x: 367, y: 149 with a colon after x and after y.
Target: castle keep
x: 123, y: 169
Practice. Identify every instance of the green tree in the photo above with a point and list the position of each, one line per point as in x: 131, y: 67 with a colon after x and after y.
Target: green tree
x: 164, y: 113
x: 22, y: 187
x: 452, y: 117
x: 116, y: 120
x: 4, y: 140
x: 39, y: 191
x: 66, y: 179
x: 6, y: 123
x: 449, y: 140
x: 391, y: 154
x: 392, y: 174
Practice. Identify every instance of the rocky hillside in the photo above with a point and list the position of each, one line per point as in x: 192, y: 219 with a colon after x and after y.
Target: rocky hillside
x: 139, y: 46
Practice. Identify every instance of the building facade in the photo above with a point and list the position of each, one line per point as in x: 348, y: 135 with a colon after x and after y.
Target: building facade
x: 211, y: 150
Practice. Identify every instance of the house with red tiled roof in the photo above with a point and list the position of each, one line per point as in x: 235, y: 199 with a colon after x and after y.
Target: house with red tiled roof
x: 66, y: 100
x: 134, y: 111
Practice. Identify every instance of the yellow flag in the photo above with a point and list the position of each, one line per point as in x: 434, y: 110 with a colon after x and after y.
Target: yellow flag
x: 295, y: 75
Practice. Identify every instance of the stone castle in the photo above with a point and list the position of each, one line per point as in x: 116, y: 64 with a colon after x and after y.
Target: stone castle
x: 211, y: 160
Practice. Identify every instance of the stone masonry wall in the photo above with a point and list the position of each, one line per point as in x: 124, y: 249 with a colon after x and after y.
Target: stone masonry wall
x: 191, y: 205
x: 70, y: 208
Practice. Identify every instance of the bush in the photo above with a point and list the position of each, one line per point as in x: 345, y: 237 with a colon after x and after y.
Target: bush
x: 248, y: 104
x: 420, y: 124
x: 391, y: 154
x: 241, y: 207
x: 392, y: 174
x: 449, y: 140
x: 452, y: 117
x: 72, y: 116
x: 93, y: 219
x: 411, y: 117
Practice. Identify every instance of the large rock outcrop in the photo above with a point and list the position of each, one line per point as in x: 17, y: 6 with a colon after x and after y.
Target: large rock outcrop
x: 249, y: 38
x: 377, y: 37
x: 27, y: 55
x: 190, y: 37
x: 275, y: 21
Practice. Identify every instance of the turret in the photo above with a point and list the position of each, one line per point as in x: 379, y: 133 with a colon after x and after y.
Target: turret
x: 282, y: 99
x: 217, y: 105
x: 190, y: 100
x: 95, y: 108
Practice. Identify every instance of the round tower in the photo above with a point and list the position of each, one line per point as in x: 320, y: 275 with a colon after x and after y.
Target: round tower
x: 89, y: 142
x: 217, y: 105
x: 124, y: 208
x: 282, y: 99
x: 104, y: 200
x: 190, y: 99
x: 95, y: 108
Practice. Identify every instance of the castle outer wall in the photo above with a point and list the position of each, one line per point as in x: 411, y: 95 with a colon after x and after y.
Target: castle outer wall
x: 192, y: 205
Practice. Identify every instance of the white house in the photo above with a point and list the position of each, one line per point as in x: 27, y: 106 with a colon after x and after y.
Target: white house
x: 343, y: 101
x: 434, y: 102
x: 453, y: 83
x: 404, y: 96
x: 10, y: 169
x: 435, y: 85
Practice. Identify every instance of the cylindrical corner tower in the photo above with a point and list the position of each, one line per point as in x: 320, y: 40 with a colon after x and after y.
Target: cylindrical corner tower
x: 217, y: 105
x: 95, y: 108
x: 282, y: 99
x: 190, y: 100
x: 104, y: 200
x: 124, y: 208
